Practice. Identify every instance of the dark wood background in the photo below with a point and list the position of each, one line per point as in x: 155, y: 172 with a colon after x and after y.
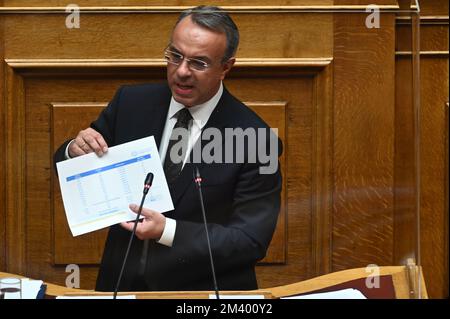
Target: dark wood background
x: 340, y: 94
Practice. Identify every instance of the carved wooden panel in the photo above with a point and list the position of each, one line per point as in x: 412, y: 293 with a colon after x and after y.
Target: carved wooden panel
x: 274, y: 114
x: 66, y: 121
x: 46, y: 124
x: 49, y: 244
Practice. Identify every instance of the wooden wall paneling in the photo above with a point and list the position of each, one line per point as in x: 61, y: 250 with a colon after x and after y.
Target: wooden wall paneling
x: 145, y: 36
x: 297, y: 175
x: 440, y: 4
x: 363, y: 122
x: 405, y: 177
x: 298, y: 89
x: 433, y: 126
x: 434, y: 7
x: 306, y: 87
x: 15, y: 180
x: 268, y: 35
x: 433, y: 35
x: 433, y: 226
x: 366, y: 2
x: 46, y: 83
x: 434, y: 94
x: 274, y: 114
x: 405, y: 240
x: 50, y: 246
x: 2, y: 151
x: 60, y: 74
x: 322, y: 165
x: 166, y: 3
x: 67, y: 119
x: 446, y: 207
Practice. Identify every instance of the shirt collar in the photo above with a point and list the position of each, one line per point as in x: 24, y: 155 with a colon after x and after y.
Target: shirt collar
x: 200, y: 113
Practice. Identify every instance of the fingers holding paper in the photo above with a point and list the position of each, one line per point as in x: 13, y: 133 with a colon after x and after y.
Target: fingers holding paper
x: 88, y: 141
x: 152, y: 225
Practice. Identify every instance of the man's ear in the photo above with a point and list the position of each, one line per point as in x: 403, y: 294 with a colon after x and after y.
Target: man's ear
x: 227, y: 66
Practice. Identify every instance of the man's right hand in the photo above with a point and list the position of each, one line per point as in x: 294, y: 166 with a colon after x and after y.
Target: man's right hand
x: 88, y: 141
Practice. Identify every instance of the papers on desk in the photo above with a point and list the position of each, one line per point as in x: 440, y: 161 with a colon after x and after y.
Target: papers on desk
x: 97, y: 297
x: 349, y: 293
x: 96, y: 191
x: 235, y: 296
x: 30, y: 289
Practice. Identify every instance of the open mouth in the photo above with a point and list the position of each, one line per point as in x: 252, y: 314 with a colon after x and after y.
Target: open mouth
x: 184, y: 89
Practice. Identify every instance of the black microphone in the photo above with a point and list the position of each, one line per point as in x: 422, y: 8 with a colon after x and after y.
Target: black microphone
x: 147, y: 185
x: 198, y: 182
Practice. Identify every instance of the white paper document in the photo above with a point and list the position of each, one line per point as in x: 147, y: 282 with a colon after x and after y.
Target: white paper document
x: 250, y: 296
x: 349, y: 293
x: 96, y: 191
x: 30, y: 289
x: 97, y: 297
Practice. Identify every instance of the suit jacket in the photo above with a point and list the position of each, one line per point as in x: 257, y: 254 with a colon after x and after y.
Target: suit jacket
x: 241, y: 204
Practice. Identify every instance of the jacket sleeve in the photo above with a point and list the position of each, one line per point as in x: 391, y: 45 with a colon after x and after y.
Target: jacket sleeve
x: 245, y: 236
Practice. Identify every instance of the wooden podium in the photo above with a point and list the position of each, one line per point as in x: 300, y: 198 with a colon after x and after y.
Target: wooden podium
x: 394, y: 282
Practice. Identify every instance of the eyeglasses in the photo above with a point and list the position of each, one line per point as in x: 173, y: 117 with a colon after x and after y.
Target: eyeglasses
x: 177, y: 58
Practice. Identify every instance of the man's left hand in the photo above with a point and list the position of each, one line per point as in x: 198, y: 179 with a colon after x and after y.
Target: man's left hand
x: 151, y: 227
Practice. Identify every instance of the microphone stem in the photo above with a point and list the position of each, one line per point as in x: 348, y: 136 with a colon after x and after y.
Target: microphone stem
x: 129, y: 245
x: 216, y: 289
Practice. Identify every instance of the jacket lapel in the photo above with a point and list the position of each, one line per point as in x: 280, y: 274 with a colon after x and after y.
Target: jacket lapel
x: 157, y: 124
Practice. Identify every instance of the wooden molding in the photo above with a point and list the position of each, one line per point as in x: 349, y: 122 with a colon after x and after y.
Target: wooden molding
x: 2, y: 153
x: 15, y: 173
x: 322, y: 181
x: 446, y: 206
x: 424, y: 20
x: 159, y: 63
x: 177, y: 9
x: 427, y: 54
x: 72, y: 104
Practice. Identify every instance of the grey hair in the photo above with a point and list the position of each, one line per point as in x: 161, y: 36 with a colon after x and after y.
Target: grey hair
x: 218, y: 20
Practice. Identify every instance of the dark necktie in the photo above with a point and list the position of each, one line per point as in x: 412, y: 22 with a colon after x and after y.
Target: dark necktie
x: 173, y: 169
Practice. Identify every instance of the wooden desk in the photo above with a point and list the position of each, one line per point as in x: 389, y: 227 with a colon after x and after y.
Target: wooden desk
x: 399, y: 275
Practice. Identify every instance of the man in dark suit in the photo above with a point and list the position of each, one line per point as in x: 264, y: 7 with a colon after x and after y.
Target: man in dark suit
x: 242, y: 200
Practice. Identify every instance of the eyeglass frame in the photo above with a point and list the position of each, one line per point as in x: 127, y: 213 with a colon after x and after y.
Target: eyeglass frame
x: 188, y: 60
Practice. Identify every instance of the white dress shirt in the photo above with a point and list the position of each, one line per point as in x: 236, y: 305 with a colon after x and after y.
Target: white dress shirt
x: 200, y: 114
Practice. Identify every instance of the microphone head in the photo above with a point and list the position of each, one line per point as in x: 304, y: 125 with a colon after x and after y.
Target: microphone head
x: 148, y: 182
x: 149, y: 179
x: 197, y: 177
x: 197, y: 173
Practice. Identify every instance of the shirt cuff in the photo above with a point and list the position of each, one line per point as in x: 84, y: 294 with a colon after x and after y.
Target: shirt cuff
x: 168, y: 233
x: 66, y: 154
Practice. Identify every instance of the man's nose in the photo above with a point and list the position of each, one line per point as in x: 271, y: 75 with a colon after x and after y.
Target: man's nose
x: 183, y: 69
